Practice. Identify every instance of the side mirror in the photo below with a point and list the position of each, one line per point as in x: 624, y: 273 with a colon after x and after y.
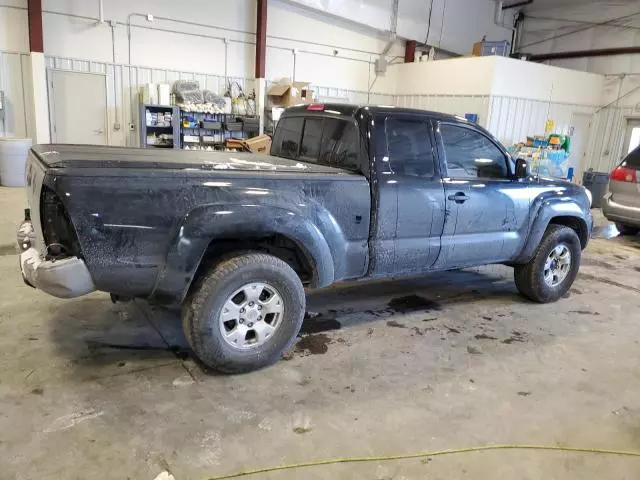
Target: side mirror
x: 523, y: 169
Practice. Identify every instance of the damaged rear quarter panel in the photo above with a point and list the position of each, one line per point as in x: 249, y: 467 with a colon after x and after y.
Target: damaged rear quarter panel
x: 146, y: 232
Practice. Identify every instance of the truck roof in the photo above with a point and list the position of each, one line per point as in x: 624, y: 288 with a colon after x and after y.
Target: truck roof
x: 351, y: 109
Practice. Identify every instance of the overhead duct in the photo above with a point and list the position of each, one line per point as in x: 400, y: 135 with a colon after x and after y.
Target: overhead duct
x: 381, y: 62
x: 499, y: 16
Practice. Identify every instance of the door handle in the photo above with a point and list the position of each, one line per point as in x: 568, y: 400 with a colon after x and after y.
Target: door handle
x: 458, y: 197
x: 98, y: 131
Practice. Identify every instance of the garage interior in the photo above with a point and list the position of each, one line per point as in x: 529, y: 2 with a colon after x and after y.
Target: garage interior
x: 451, y: 360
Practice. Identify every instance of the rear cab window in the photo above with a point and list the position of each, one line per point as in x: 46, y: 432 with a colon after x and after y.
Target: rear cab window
x: 329, y: 141
x: 286, y: 141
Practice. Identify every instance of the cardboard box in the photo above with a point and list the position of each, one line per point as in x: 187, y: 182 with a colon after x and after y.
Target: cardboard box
x: 259, y: 144
x: 286, y: 93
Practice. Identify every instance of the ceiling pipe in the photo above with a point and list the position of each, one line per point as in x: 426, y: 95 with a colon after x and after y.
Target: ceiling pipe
x: 516, y: 5
x: 101, y: 11
x: 602, y: 52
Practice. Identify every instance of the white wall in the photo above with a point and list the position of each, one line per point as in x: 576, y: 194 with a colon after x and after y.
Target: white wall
x: 497, y: 76
x: 13, y: 21
x: 71, y: 31
x: 352, y: 27
x: 456, y: 76
x: 335, y: 43
x: 542, y: 82
x: 167, y: 48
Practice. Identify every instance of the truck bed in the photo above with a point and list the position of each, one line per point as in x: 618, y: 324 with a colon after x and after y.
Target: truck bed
x: 91, y: 156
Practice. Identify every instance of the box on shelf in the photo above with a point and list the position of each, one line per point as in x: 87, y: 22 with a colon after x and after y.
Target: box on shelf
x: 251, y: 125
x: 287, y: 93
x: 485, y: 48
x: 211, y: 125
x: 259, y: 144
x: 232, y: 126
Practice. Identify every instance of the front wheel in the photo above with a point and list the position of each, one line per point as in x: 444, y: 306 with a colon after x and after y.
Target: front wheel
x: 552, y: 270
x: 245, y: 313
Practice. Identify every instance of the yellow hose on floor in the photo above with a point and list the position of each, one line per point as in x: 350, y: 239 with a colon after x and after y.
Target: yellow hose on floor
x: 481, y: 448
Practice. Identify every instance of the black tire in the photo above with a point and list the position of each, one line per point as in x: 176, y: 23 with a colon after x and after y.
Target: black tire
x: 627, y: 229
x: 529, y: 277
x: 201, y: 310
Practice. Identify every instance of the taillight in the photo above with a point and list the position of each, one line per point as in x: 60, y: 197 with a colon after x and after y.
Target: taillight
x: 623, y: 174
x: 316, y: 107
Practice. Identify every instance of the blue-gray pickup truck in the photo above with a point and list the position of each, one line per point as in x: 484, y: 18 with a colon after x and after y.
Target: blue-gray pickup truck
x: 346, y: 193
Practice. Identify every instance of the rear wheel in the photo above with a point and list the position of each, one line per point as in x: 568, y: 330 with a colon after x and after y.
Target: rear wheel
x: 553, y: 268
x: 245, y: 313
x: 627, y: 229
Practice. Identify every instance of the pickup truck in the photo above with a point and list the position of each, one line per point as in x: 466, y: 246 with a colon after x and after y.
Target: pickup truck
x: 346, y: 193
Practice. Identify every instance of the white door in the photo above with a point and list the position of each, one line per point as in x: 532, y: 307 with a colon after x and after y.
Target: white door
x: 78, y: 107
x: 580, y: 125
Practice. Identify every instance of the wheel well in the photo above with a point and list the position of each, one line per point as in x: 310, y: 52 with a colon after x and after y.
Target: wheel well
x: 576, y: 224
x: 278, y: 245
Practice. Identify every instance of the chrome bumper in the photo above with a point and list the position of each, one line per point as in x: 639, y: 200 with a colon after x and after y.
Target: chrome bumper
x: 65, y: 278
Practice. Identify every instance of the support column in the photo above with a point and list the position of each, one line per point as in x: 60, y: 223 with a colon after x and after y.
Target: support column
x: 410, y: 51
x: 261, y: 37
x: 261, y: 51
x: 35, y: 78
x: 261, y: 103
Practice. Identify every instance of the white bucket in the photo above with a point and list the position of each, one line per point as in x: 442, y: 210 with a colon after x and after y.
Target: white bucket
x: 13, y: 156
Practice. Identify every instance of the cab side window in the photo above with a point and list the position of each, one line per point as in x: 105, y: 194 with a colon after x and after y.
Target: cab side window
x: 409, y: 148
x: 471, y: 155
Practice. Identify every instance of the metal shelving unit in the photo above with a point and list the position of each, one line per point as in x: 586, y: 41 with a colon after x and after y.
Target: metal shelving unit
x: 202, y: 130
x: 166, y: 134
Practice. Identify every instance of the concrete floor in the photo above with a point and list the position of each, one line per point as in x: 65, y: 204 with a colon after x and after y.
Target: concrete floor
x: 89, y: 389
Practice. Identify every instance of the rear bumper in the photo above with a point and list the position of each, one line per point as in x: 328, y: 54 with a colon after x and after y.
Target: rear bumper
x: 617, y: 212
x: 65, y: 278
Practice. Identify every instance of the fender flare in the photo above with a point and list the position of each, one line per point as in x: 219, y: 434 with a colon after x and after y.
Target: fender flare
x: 548, y: 210
x: 206, y: 223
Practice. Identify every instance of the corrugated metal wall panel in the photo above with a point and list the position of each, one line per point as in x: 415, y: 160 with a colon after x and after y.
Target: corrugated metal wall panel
x: 453, y: 104
x: 124, y: 83
x: 607, y: 137
x: 512, y: 119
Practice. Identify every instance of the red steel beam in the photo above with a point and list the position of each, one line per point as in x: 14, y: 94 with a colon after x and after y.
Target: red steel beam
x: 261, y: 37
x: 34, y: 15
x: 410, y: 51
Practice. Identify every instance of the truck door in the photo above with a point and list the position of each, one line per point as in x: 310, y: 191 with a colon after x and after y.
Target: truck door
x: 487, y: 210
x: 410, y: 155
